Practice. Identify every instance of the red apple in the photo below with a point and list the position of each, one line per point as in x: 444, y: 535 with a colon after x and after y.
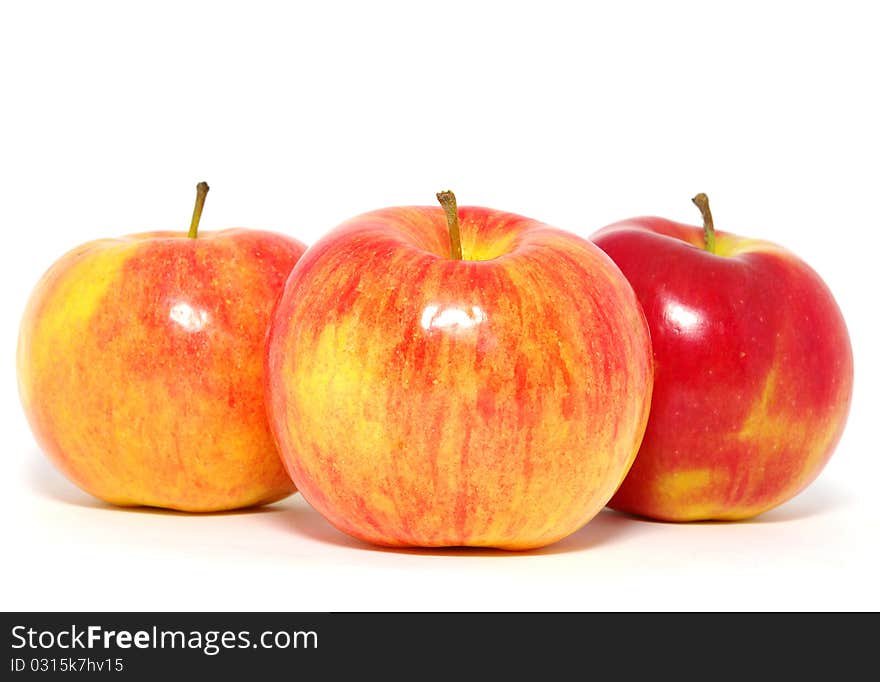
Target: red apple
x: 753, y: 370
x: 480, y: 379
x: 140, y: 367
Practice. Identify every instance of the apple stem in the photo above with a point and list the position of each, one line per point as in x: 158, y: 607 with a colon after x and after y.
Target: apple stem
x: 702, y: 202
x: 450, y: 206
x: 201, y: 192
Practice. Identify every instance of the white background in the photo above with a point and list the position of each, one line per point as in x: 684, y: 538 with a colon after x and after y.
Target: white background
x: 301, y: 117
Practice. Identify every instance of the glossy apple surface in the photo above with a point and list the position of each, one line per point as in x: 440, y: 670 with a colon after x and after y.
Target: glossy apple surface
x: 420, y: 400
x: 753, y: 372
x: 140, y: 368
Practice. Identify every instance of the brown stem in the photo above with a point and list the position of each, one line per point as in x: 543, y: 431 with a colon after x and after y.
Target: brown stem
x: 450, y: 206
x: 201, y: 192
x: 702, y: 202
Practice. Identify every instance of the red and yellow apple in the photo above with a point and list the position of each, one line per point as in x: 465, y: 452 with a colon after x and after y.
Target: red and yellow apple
x: 473, y: 379
x: 140, y: 367
x: 753, y: 370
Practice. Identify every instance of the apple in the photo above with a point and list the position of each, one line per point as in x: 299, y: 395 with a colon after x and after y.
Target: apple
x: 753, y: 370
x: 140, y: 366
x: 457, y: 377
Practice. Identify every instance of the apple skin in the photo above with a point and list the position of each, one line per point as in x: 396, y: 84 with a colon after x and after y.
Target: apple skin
x: 492, y: 401
x: 140, y: 368
x: 753, y: 372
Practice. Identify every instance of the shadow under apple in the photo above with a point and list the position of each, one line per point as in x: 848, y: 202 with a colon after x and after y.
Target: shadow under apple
x: 297, y: 516
x: 608, y: 526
